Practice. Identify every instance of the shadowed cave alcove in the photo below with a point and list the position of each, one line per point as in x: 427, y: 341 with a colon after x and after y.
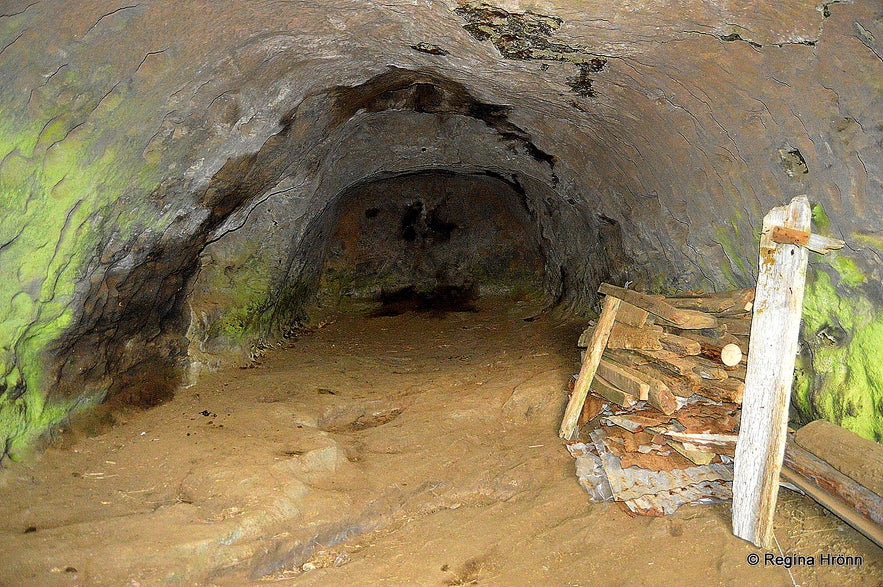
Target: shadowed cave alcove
x: 431, y: 233
x: 196, y: 233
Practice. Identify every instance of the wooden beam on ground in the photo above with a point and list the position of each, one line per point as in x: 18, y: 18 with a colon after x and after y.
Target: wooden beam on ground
x: 854, y: 456
x: 851, y: 501
x: 658, y: 306
x: 774, y: 332
x: 609, y: 307
x: 815, y: 469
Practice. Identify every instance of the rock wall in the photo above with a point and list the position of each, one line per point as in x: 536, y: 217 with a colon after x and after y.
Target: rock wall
x: 165, y: 167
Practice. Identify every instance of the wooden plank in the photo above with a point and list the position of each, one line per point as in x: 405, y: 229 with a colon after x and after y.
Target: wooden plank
x: 729, y: 390
x: 680, y: 345
x: 624, y: 336
x: 625, y: 378
x: 612, y: 393
x: 814, y: 242
x: 632, y: 315
x: 735, y: 325
x: 657, y: 306
x: 774, y: 332
x: 658, y: 394
x: 692, y: 453
x: 856, y: 457
x: 609, y: 307
x: 715, y: 302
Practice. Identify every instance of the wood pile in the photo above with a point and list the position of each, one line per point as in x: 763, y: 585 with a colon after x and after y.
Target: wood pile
x: 666, y: 389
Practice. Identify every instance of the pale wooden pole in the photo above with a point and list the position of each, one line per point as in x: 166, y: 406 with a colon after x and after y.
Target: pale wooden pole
x: 772, y: 351
x: 609, y: 307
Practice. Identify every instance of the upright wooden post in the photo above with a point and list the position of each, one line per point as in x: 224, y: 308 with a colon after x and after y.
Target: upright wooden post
x: 609, y: 307
x: 775, y: 327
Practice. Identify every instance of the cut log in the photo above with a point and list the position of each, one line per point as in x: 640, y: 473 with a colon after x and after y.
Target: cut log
x: 624, y: 336
x: 662, y: 398
x: 610, y: 392
x: 632, y: 315
x: 856, y: 457
x: 774, y: 333
x: 625, y: 378
x: 715, y: 302
x: 814, y: 242
x: 729, y: 390
x: 680, y: 345
x: 657, y: 306
x: 718, y: 349
x: 609, y: 306
x: 737, y: 371
x: 708, y: 370
x: 735, y: 325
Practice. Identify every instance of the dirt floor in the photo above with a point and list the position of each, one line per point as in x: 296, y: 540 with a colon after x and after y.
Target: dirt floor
x: 416, y: 449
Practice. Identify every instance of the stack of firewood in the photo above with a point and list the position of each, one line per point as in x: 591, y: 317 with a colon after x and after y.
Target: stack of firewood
x: 663, y: 411
x: 699, y: 348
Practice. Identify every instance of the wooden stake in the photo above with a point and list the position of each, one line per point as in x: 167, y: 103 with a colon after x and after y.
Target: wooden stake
x: 593, y: 356
x: 774, y: 331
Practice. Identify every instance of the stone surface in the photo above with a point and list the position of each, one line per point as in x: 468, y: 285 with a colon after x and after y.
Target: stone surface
x: 169, y: 171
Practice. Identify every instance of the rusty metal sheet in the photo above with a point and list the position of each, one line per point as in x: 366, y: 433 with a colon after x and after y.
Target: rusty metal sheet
x: 634, y: 482
x: 667, y: 502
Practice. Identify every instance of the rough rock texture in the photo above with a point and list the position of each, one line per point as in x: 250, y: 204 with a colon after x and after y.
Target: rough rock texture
x: 175, y: 166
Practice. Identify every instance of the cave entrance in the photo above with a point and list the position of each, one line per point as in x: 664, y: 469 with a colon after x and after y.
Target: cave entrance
x: 432, y: 240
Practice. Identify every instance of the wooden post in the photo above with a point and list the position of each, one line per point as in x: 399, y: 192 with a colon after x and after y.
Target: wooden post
x: 774, y: 331
x: 587, y: 372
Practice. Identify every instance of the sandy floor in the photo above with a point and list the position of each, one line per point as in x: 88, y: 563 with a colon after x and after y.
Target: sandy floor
x: 405, y: 450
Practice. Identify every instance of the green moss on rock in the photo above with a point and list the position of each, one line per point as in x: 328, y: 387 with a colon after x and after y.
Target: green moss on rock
x: 839, y: 373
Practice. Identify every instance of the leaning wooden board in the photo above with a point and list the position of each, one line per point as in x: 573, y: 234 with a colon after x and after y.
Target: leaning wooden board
x: 774, y: 333
x: 609, y: 307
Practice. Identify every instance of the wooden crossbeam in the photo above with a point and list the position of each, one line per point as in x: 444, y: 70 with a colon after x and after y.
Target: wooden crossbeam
x: 813, y: 242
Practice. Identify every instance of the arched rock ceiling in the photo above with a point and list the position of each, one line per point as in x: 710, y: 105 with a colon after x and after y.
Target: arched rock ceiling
x: 137, y: 135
